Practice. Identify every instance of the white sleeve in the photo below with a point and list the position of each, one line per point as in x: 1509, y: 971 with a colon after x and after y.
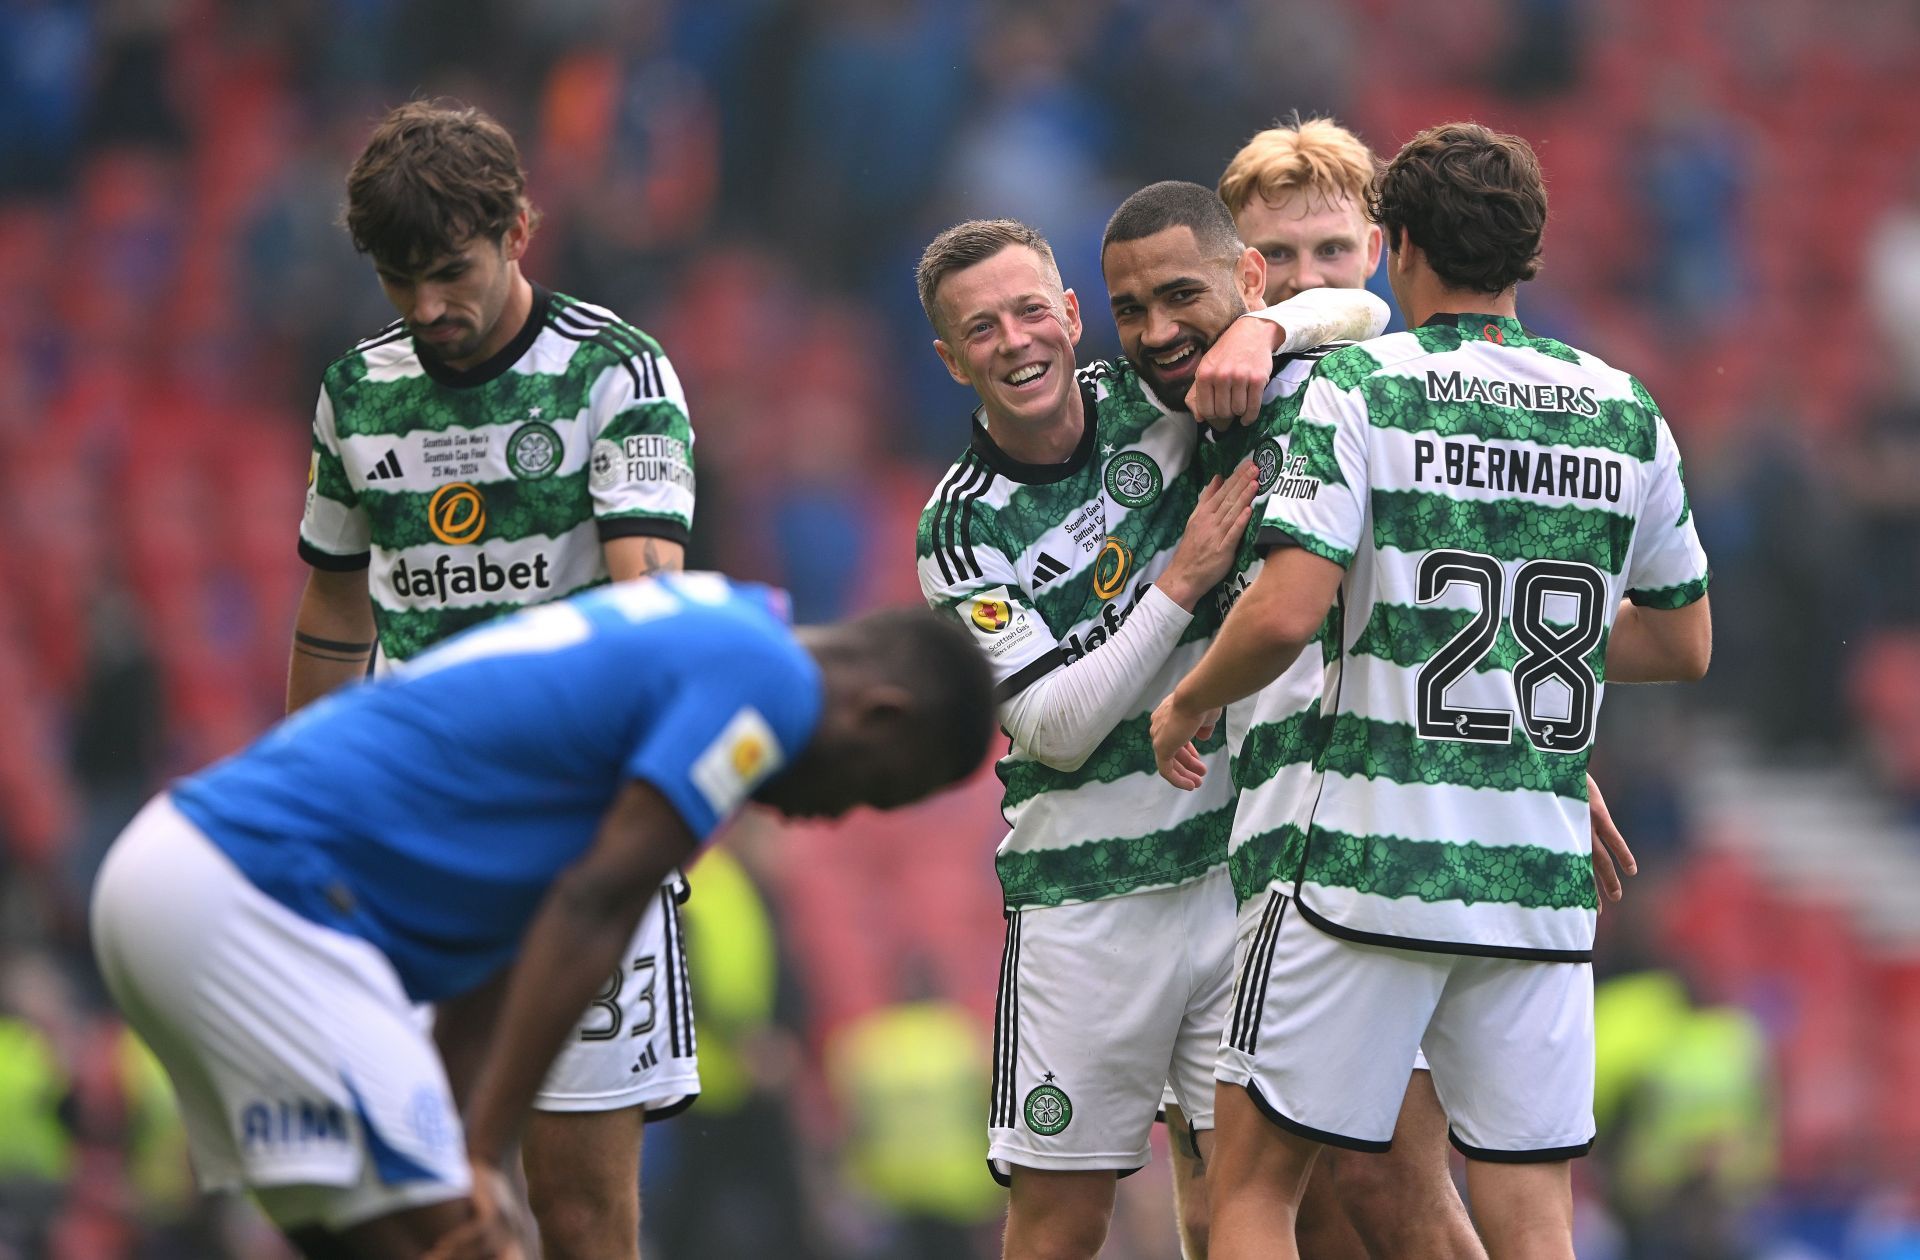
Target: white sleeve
x: 1061, y: 718
x: 1318, y: 316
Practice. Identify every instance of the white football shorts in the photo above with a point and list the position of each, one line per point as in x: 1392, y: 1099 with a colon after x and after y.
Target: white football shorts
x: 635, y: 1047
x: 302, y: 1071
x: 1322, y: 1030
x: 1103, y: 1005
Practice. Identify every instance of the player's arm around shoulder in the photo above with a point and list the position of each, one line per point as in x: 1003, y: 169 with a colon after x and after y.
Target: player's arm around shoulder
x: 573, y: 942
x: 1232, y: 376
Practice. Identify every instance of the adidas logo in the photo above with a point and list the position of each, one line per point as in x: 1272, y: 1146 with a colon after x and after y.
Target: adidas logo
x: 1045, y: 569
x: 387, y: 469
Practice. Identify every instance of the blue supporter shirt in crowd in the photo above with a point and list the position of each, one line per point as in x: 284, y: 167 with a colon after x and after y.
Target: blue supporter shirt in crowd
x: 427, y: 811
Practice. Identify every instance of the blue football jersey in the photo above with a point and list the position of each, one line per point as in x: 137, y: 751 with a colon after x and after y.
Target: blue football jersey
x: 427, y: 811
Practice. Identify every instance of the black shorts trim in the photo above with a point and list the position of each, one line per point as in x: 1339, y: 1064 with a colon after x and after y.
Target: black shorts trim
x: 656, y: 1114
x: 1006, y: 1031
x: 1467, y: 948
x: 1321, y: 1136
x: 643, y: 527
x: 1546, y: 1155
x: 326, y: 560
x: 1005, y: 1180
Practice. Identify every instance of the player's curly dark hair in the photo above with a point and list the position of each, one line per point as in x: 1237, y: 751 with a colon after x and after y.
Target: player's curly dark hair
x: 433, y: 176
x: 1472, y: 199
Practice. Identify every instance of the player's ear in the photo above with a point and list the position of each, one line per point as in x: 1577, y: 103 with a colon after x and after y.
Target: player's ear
x: 1375, y: 238
x: 1398, y: 249
x: 884, y: 707
x: 952, y: 362
x: 519, y: 232
x: 1070, y: 304
x: 886, y: 700
x: 1250, y: 275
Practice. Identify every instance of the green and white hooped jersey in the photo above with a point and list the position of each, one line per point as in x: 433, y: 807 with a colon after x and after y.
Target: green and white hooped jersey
x: 1492, y: 496
x: 1043, y: 562
x: 1273, y: 734
x: 473, y: 493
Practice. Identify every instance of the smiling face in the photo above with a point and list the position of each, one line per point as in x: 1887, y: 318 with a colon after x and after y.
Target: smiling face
x: 1171, y: 301
x: 1008, y: 329
x: 1310, y: 241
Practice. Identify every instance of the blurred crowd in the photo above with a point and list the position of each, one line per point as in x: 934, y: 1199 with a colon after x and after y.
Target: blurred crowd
x: 1735, y: 218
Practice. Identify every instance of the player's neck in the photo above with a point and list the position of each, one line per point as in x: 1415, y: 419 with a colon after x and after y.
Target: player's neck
x: 1051, y: 440
x: 513, y: 317
x: 1433, y: 298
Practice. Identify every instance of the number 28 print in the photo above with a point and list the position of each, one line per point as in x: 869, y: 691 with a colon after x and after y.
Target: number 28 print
x: 1553, y: 651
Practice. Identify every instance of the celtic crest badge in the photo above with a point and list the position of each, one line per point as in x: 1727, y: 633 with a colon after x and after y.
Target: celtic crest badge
x: 1048, y: 1110
x: 1133, y: 479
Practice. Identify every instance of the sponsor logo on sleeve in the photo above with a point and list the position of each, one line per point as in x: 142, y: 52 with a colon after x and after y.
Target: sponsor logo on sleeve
x: 992, y: 615
x: 1000, y: 626
x: 741, y: 757
x: 642, y: 459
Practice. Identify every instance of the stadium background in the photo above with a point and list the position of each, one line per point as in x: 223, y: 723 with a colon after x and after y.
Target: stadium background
x: 1736, y: 218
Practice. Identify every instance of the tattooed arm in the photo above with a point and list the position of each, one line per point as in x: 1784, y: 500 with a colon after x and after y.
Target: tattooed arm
x: 332, y: 637
x: 641, y: 555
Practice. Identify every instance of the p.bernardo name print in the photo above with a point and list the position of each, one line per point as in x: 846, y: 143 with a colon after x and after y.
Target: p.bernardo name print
x: 1514, y: 468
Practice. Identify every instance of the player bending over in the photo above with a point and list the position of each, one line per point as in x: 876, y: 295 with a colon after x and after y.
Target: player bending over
x: 481, y: 828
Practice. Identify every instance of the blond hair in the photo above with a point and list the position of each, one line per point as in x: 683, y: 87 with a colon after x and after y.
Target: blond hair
x: 1318, y: 156
x: 975, y: 241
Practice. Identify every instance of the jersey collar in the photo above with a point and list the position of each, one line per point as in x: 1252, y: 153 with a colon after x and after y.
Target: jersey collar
x: 504, y: 358
x: 1038, y: 474
x: 1482, y: 327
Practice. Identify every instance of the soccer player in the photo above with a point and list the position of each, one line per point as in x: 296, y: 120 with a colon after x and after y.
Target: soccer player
x: 1298, y: 195
x: 1177, y: 275
x: 1480, y: 501
x: 508, y: 802
x: 1058, y: 540
x: 501, y: 445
